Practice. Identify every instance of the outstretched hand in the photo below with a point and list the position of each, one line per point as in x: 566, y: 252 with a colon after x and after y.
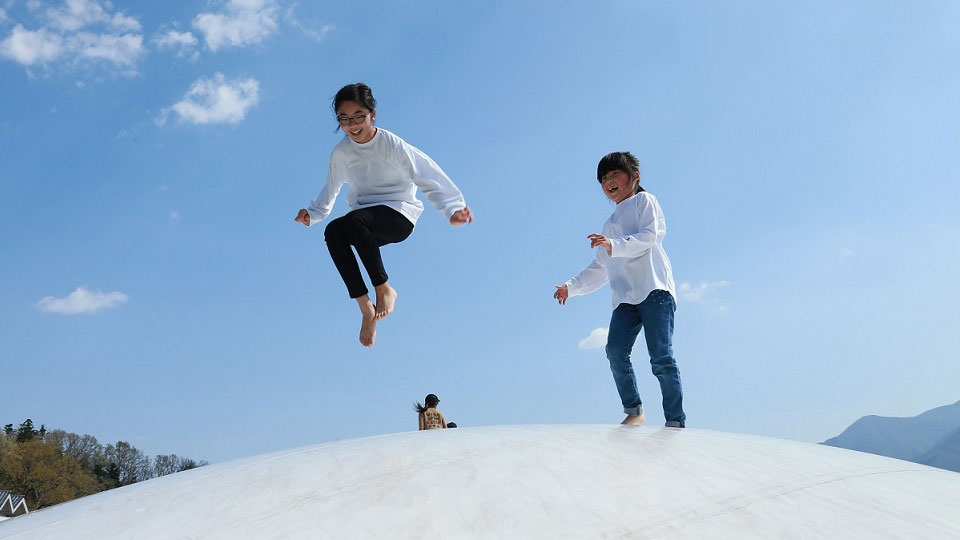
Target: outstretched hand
x: 561, y: 294
x: 461, y: 217
x: 303, y: 217
x: 600, y: 240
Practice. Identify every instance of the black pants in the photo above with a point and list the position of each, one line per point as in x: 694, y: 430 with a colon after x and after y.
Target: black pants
x: 366, y: 229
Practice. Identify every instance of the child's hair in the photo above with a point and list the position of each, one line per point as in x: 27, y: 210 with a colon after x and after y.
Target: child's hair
x: 619, y: 161
x: 431, y: 402
x: 357, y: 92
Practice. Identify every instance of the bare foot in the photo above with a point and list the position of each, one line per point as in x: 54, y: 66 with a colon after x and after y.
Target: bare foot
x: 386, y: 297
x: 368, y: 325
x: 631, y: 420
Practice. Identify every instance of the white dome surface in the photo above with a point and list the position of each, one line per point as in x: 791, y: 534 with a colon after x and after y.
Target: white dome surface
x: 558, y: 481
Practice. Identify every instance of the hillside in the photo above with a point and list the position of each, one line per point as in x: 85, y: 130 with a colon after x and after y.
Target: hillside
x: 932, y: 437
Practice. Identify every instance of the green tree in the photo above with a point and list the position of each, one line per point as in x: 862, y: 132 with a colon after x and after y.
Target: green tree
x: 166, y: 464
x: 37, y: 470
x: 26, y: 432
x: 132, y: 464
x: 56, y: 466
x: 186, y: 464
x: 84, y: 448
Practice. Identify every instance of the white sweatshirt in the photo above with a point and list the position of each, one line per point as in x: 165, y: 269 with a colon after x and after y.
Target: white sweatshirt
x: 637, y: 264
x: 386, y: 170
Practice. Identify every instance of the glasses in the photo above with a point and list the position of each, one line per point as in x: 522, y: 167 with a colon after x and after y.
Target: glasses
x: 347, y: 120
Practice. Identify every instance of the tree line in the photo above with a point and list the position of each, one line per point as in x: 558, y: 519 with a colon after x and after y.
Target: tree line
x: 51, y: 467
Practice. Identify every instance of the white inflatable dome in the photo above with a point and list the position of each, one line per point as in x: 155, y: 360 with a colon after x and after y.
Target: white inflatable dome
x: 564, y: 481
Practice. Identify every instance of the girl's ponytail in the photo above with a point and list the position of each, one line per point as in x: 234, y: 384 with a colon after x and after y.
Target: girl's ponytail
x: 430, y: 402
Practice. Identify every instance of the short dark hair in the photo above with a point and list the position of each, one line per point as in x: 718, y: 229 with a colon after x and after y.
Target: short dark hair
x: 357, y: 92
x: 619, y: 161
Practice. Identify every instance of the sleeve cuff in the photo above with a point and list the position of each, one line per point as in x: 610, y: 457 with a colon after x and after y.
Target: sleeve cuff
x: 315, y: 217
x: 616, y: 247
x: 451, y: 210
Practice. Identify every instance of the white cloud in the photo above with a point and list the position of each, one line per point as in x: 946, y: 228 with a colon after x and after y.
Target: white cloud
x: 216, y: 101
x: 175, y: 215
x: 81, y: 301
x: 173, y: 39
x: 106, y: 37
x: 75, y: 14
x: 3, y: 15
x: 596, y: 339
x: 124, y: 24
x: 30, y: 47
x: 847, y: 252
x: 121, y: 50
x: 698, y: 292
x: 240, y: 23
x: 183, y: 43
x: 702, y: 293
x: 315, y: 31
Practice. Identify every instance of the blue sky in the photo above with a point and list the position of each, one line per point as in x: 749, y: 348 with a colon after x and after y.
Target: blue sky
x: 153, y: 157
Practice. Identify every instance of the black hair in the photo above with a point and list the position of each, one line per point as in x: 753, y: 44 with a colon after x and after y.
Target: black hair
x: 619, y: 161
x: 356, y: 92
x: 431, y: 403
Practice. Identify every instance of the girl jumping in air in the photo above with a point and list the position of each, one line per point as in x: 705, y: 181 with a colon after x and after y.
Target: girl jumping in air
x: 383, y: 172
x: 632, y: 259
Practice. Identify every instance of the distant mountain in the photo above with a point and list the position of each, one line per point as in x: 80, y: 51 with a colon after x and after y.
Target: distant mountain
x: 945, y: 454
x: 932, y: 437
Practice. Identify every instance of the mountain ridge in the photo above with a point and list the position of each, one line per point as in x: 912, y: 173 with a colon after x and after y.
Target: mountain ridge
x: 931, y: 437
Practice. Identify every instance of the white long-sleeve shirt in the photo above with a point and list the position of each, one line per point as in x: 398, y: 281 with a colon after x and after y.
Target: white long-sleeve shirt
x: 637, y: 263
x: 387, y: 171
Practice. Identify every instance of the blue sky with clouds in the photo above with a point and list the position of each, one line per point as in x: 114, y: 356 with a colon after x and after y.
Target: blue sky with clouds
x: 153, y: 156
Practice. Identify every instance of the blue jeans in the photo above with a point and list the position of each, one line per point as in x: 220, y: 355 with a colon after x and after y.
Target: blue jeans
x: 655, y: 316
